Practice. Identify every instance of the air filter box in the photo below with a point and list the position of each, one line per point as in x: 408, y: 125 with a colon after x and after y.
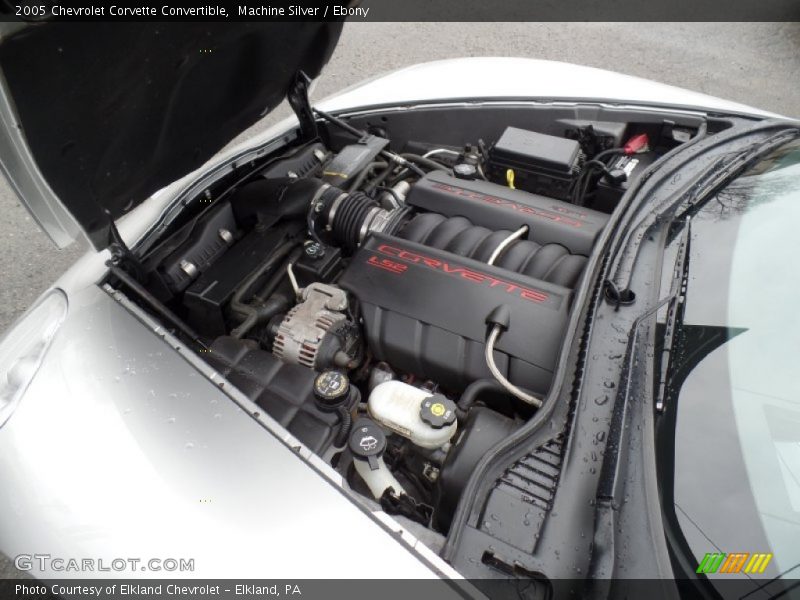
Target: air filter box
x: 543, y: 164
x: 209, y: 295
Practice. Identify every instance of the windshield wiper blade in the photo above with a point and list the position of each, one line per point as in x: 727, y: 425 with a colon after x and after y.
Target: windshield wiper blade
x: 675, y: 301
x: 731, y: 166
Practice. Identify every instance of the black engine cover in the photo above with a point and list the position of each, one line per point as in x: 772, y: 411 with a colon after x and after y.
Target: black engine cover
x: 424, y: 313
x: 497, y: 207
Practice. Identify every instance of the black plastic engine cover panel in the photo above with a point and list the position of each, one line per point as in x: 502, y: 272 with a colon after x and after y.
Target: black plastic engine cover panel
x: 284, y: 391
x: 209, y: 295
x: 496, y: 207
x: 424, y: 313
x: 546, y: 262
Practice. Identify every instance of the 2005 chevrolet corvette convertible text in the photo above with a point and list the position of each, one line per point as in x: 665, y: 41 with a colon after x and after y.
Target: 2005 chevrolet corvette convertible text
x: 542, y: 326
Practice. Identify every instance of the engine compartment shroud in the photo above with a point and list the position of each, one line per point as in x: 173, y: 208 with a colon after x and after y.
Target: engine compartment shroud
x: 425, y: 309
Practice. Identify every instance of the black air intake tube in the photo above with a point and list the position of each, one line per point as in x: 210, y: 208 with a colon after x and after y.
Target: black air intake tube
x: 349, y: 217
x: 344, y: 219
x: 335, y: 217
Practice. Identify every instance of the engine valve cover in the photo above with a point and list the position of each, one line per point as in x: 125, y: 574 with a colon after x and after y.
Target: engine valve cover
x: 424, y: 313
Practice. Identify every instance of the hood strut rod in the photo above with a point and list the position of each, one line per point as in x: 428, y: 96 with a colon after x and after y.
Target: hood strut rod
x: 298, y: 100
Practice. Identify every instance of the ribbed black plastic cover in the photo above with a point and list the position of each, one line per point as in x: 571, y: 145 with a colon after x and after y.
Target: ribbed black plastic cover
x: 497, y: 207
x: 285, y: 391
x: 424, y: 313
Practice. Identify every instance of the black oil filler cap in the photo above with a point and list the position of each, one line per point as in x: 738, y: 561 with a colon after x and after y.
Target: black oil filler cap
x: 367, y: 441
x: 437, y: 411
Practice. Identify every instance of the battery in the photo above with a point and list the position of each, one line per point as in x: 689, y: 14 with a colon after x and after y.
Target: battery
x: 542, y: 164
x: 608, y: 194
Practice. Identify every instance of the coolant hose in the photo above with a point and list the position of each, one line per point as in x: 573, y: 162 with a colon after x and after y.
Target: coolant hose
x: 475, y: 390
x: 260, y: 314
x: 252, y: 315
x: 362, y: 176
x: 238, y: 306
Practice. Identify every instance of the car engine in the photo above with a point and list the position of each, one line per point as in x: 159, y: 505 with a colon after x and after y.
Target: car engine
x: 399, y: 313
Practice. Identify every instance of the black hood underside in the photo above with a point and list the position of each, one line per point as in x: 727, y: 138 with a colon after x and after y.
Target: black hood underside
x: 113, y: 113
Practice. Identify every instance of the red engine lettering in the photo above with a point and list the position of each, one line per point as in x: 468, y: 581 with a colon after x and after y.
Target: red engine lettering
x: 455, y: 270
x: 385, y: 263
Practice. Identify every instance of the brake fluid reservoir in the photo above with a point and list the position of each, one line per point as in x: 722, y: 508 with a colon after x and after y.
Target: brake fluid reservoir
x: 428, y: 420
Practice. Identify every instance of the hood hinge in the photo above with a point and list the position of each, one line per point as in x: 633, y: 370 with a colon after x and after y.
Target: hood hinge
x: 121, y: 255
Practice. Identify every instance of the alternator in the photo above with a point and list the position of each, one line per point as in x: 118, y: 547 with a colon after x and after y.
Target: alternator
x: 316, y: 333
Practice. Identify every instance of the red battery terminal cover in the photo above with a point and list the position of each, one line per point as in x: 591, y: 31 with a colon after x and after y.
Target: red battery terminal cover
x: 637, y: 144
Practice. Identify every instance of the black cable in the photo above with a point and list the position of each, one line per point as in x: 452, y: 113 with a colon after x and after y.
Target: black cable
x: 609, y: 152
x: 345, y: 422
x: 581, y: 185
x: 397, y: 178
x: 412, y: 167
x: 594, y: 164
x: 379, y: 179
x: 394, y: 194
x: 361, y: 177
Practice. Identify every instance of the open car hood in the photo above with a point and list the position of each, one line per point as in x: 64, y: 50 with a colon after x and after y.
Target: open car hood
x: 93, y: 120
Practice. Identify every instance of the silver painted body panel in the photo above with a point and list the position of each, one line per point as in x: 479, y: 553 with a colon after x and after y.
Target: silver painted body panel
x: 123, y: 446
x: 484, y: 78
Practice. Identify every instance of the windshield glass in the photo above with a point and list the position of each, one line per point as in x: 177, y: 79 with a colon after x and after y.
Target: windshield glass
x: 733, y: 405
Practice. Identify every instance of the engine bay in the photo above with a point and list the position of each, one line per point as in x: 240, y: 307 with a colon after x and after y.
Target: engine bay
x: 397, y: 301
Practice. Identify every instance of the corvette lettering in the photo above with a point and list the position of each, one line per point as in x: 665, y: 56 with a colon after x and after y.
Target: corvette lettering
x: 508, y: 204
x: 453, y: 270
